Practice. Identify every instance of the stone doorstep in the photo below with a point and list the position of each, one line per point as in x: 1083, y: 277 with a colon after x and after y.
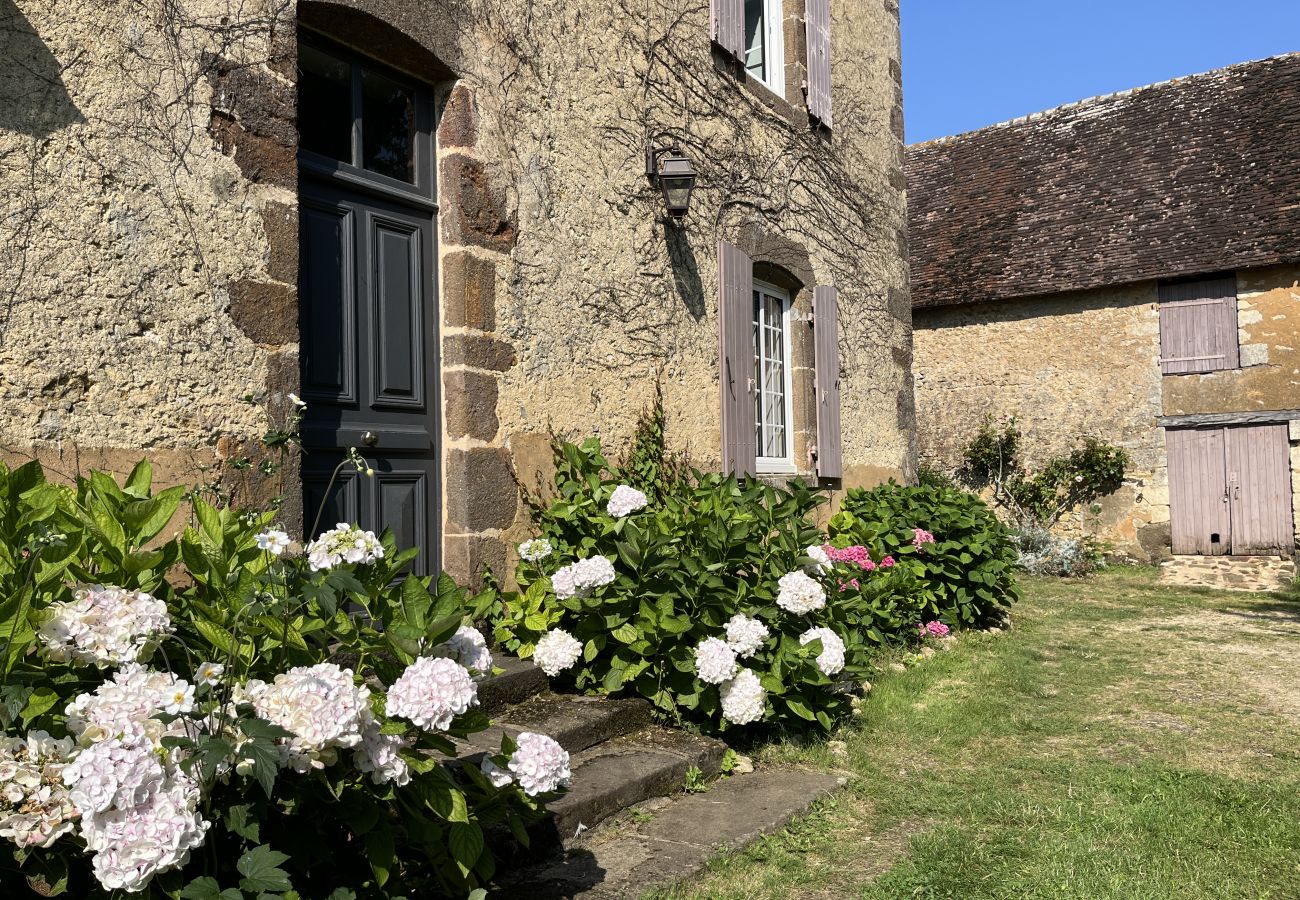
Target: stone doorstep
x: 1232, y: 573
x: 624, y: 857
x: 520, y: 680
x: 576, y: 722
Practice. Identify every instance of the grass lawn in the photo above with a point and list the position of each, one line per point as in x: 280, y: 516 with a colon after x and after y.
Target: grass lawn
x: 1123, y: 740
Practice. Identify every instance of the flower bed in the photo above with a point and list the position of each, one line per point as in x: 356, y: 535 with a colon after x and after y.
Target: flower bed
x: 205, y: 742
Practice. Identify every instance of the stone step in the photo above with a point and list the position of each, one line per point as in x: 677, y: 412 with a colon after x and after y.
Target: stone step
x: 618, y: 773
x: 669, y: 839
x: 576, y: 722
x: 1229, y: 573
x: 520, y: 680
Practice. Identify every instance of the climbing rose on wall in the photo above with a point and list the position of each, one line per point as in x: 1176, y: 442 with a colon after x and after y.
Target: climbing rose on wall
x: 556, y: 651
x: 625, y: 501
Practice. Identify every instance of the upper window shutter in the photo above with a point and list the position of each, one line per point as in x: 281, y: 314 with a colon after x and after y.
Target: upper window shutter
x: 826, y: 346
x: 736, y: 335
x: 817, y: 22
x: 1198, y: 326
x: 727, y: 20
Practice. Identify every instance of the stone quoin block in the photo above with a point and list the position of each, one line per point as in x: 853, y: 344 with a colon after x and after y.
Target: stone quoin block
x: 475, y: 211
x: 280, y: 221
x: 466, y: 555
x: 266, y: 311
x: 470, y: 405
x: 480, y: 493
x: 469, y: 287
x: 458, y: 127
x: 477, y: 352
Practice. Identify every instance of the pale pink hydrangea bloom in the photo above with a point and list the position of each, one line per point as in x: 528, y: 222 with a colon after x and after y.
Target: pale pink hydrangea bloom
x: 745, y: 635
x: 322, y: 706
x: 831, y: 659
x: 556, y: 651
x: 539, y: 763
x: 104, y: 626
x: 934, y: 628
x: 579, y: 579
x: 468, y: 647
x: 625, y: 501
x: 799, y: 594
x: 35, y: 807
x: 743, y: 698
x: 921, y: 537
x: 431, y: 692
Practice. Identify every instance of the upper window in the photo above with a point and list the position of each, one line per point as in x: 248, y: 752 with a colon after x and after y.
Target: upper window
x: 1198, y: 326
x: 359, y: 115
x: 765, y: 43
x: 772, y: 397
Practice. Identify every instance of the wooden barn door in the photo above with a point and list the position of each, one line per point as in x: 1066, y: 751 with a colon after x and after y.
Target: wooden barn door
x: 1259, y: 482
x: 1230, y: 490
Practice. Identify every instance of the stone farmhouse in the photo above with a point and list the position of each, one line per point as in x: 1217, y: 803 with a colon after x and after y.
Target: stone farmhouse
x: 451, y: 227
x: 1127, y: 267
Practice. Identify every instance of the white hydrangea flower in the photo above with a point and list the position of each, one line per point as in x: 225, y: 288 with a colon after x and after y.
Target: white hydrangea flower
x: 540, y: 764
x: 556, y: 651
x: 431, y: 692
x: 714, y: 661
x: 743, y: 698
x: 35, y: 806
x: 127, y: 704
x: 321, y: 706
x: 799, y: 594
x: 625, y: 501
x: 821, y: 560
x: 831, y: 659
x: 343, y: 543
x: 745, y: 635
x: 273, y: 541
x: 495, y: 774
x: 535, y: 550
x: 579, y: 579
x: 380, y: 755
x: 139, y: 814
x: 104, y: 626
x: 468, y: 648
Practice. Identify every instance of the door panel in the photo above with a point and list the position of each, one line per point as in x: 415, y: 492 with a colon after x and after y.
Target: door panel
x: 326, y: 276
x: 399, y: 378
x: 1259, y: 483
x: 1201, y: 521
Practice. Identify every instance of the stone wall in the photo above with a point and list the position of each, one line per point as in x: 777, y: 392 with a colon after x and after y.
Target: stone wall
x: 148, y: 229
x: 1087, y: 363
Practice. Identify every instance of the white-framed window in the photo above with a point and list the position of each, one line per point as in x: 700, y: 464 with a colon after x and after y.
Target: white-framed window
x: 765, y: 43
x: 773, y: 398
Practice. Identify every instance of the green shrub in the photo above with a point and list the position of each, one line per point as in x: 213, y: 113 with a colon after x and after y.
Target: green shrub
x: 964, y: 576
x: 681, y: 568
x: 1040, y: 552
x: 267, y: 811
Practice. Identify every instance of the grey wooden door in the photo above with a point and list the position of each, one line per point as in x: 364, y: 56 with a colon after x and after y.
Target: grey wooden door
x: 1230, y: 490
x: 1200, y: 520
x: 367, y: 299
x: 1259, y: 486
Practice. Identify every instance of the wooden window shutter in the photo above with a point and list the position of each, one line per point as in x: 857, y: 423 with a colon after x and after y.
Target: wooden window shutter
x: 826, y: 346
x: 1198, y: 326
x: 727, y: 21
x: 736, y: 333
x: 817, y: 89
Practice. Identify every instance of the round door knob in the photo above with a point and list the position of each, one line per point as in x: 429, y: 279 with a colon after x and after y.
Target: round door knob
x: 370, y: 439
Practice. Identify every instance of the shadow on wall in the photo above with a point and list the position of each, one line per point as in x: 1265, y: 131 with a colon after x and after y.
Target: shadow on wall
x: 686, y: 271
x: 33, y: 100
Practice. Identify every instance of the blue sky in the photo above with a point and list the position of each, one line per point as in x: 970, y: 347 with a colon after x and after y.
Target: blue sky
x: 970, y: 63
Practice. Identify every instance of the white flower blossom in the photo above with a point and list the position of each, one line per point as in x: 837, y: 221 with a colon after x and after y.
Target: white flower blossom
x: 579, y: 579
x: 431, y: 692
x: 35, y: 807
x: 743, y: 698
x: 296, y: 401
x: 535, y: 550
x: 380, y: 755
x: 209, y: 673
x: 540, y: 764
x: 343, y: 543
x: 468, y: 648
x: 273, y: 541
x: 745, y: 635
x: 799, y: 594
x: 495, y: 774
x: 105, y: 626
x: 821, y: 560
x: 127, y: 704
x: 321, y: 706
x: 625, y: 501
x: 714, y: 661
x: 831, y: 659
x: 556, y: 651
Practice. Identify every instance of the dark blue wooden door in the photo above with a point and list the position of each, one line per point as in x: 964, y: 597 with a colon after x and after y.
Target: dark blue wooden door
x: 368, y: 306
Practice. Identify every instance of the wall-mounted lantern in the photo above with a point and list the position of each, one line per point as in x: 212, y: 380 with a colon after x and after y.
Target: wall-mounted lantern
x: 671, y: 169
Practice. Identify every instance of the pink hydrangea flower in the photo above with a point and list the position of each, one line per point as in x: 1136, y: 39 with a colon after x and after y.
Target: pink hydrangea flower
x: 887, y: 562
x: 934, y: 628
x: 921, y: 537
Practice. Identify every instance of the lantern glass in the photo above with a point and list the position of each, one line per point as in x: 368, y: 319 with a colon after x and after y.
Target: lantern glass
x: 676, y: 181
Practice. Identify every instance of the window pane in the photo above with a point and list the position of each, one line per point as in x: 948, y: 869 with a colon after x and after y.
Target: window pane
x: 324, y: 104
x: 769, y: 369
x: 755, y: 53
x: 387, y: 127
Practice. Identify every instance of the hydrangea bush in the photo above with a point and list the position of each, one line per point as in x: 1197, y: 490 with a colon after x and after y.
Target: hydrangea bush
x: 228, y: 714
x: 718, y: 602
x: 960, y: 555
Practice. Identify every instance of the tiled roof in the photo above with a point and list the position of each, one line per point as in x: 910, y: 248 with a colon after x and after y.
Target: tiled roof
x: 1196, y: 175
